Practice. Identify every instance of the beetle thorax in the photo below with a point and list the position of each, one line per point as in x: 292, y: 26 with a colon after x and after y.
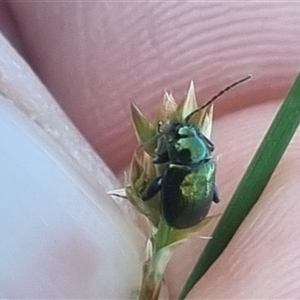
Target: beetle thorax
x: 185, y: 146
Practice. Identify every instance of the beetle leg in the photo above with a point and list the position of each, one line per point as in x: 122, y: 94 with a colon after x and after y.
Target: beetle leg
x: 161, y: 151
x: 153, y: 188
x: 216, y: 198
x: 205, y: 160
x: 183, y: 167
x: 162, y: 158
x: 209, y: 143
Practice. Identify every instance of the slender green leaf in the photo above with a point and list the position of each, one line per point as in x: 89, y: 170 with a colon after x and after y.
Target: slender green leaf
x: 257, y: 175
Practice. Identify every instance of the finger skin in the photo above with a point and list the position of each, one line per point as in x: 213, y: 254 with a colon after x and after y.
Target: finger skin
x: 262, y: 260
x: 96, y: 57
x: 62, y: 236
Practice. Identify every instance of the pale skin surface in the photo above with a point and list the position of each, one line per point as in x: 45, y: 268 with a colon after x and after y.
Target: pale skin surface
x: 96, y: 57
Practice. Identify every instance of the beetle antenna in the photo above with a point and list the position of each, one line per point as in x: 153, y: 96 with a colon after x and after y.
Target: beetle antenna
x: 215, y: 97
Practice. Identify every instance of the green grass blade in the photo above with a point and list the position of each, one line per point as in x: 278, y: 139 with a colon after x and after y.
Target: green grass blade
x: 258, y: 174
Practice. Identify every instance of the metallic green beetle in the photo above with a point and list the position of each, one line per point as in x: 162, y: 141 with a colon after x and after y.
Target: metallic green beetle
x: 187, y: 183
